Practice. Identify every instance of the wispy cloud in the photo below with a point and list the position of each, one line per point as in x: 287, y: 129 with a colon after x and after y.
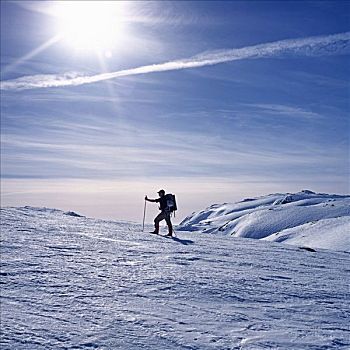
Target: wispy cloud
x: 187, y: 154
x: 311, y: 46
x: 284, y: 111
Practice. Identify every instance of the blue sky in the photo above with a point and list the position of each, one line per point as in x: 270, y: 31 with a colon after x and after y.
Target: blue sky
x: 268, y: 119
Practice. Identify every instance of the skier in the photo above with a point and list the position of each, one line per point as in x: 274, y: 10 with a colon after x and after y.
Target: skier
x: 164, y: 214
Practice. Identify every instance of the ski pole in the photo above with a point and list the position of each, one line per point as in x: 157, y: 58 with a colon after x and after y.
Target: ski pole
x: 144, y: 215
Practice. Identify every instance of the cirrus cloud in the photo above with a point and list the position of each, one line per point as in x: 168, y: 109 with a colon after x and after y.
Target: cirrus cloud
x: 311, y: 46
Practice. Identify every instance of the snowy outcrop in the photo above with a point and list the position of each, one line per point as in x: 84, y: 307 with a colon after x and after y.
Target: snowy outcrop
x: 43, y: 211
x: 288, y: 218
x: 330, y: 234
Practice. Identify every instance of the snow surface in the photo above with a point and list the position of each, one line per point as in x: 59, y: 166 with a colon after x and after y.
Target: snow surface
x: 70, y: 282
x: 317, y: 220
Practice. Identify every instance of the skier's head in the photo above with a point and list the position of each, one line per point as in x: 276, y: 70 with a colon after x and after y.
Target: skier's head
x: 161, y: 193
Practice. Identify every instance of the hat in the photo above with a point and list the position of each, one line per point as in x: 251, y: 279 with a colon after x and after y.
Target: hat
x: 161, y: 191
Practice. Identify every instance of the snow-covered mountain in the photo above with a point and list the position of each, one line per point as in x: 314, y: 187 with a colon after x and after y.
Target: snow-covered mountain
x: 317, y: 220
x: 71, y: 282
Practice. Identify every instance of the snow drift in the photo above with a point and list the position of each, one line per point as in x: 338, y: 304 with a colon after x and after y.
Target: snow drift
x: 317, y: 220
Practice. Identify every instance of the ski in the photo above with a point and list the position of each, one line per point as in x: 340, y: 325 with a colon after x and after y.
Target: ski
x: 157, y: 234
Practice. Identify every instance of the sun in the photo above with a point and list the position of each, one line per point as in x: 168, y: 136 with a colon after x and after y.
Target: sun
x: 90, y: 25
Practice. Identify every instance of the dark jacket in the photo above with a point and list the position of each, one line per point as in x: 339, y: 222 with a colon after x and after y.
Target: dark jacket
x: 162, y: 203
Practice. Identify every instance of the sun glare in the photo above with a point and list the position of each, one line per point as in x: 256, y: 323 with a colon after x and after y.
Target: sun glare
x: 90, y: 25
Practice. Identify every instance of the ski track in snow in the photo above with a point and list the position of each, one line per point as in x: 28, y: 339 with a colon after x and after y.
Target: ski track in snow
x: 78, y: 283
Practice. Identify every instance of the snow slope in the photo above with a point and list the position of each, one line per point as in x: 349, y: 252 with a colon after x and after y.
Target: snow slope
x: 70, y: 282
x: 316, y: 219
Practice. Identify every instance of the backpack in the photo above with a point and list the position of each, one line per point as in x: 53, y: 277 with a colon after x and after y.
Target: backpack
x: 171, y: 202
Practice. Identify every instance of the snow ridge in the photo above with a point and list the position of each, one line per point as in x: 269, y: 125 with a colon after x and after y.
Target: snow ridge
x: 288, y: 218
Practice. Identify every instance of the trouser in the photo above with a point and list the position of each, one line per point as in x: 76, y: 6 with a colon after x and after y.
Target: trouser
x: 163, y: 215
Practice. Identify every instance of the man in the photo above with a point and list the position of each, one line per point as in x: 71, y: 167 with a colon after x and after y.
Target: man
x: 164, y: 214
